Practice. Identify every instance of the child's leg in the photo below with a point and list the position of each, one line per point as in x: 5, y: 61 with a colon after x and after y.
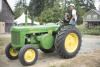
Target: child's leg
x: 73, y: 23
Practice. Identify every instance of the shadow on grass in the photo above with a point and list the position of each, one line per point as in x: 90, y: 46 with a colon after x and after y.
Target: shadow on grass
x: 4, y: 41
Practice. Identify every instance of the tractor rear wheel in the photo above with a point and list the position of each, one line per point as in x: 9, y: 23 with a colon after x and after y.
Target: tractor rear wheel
x: 28, y: 55
x: 68, y: 42
x: 10, y: 53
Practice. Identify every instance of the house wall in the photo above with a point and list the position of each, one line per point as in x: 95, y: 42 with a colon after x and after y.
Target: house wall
x: 92, y: 16
x: 8, y: 26
x: 90, y: 19
x: 6, y: 16
x: 93, y: 24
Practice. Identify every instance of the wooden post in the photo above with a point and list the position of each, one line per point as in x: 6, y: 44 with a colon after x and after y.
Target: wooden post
x: 2, y: 27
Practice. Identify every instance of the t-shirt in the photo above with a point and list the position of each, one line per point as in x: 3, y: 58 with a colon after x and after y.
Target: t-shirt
x: 66, y: 21
x: 74, y: 13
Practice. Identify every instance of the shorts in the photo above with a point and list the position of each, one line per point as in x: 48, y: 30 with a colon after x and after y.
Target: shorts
x: 73, y: 23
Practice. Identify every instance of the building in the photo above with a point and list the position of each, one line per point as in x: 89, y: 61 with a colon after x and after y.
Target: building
x: 6, y: 16
x: 91, y: 18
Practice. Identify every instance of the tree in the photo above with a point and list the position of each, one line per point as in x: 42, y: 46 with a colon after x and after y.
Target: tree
x: 53, y: 15
x: 39, y: 6
x: 36, y: 7
x: 20, y: 8
x: 84, y: 4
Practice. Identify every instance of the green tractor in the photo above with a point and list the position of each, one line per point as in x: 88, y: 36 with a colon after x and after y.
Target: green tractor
x: 63, y: 38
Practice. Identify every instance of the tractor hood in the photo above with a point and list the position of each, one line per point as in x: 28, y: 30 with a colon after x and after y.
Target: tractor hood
x: 35, y: 29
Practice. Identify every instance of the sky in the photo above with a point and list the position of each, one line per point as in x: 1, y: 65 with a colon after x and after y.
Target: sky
x: 97, y: 3
x: 13, y: 2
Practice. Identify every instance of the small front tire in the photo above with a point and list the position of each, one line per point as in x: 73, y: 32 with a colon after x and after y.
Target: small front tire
x: 28, y: 55
x: 10, y: 52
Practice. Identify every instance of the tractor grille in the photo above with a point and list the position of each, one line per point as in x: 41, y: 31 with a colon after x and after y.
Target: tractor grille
x: 15, y: 37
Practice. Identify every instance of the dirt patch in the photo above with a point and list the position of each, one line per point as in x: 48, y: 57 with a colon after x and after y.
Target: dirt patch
x: 85, y: 60
x: 89, y: 36
x: 53, y: 60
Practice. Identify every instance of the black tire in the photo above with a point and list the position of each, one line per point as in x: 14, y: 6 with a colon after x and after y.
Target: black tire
x: 22, y: 53
x: 60, y: 42
x: 8, y: 54
x: 48, y: 50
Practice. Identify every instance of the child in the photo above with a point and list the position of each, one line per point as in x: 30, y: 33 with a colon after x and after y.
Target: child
x: 66, y: 20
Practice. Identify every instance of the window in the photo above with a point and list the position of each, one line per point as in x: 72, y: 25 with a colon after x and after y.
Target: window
x: 94, y: 16
x: 88, y: 16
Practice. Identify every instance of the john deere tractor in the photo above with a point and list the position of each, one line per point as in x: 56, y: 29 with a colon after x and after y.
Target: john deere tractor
x: 63, y: 38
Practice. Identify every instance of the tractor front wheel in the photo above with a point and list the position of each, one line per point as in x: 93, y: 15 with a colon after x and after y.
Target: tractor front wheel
x: 28, y: 55
x: 10, y: 53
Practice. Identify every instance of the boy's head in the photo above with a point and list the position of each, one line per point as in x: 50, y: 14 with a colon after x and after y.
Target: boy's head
x: 66, y: 14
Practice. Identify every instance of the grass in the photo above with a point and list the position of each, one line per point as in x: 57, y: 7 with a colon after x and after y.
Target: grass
x: 4, y: 41
x: 86, y: 31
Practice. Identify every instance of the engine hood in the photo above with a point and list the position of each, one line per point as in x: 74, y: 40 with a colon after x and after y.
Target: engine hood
x: 40, y: 28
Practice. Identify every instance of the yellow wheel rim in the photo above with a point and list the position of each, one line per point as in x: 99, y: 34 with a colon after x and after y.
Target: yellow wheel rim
x: 12, y: 53
x: 29, y: 55
x: 71, y: 42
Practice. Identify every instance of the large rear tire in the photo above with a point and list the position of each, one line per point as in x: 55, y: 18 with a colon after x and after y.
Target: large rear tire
x: 10, y: 53
x: 28, y: 55
x: 68, y: 42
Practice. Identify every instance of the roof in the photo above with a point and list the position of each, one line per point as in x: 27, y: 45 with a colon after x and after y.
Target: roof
x: 9, y: 6
x: 98, y: 12
x: 21, y: 20
x: 93, y: 10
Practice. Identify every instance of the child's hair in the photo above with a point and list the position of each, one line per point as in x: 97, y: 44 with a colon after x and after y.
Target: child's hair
x: 67, y: 14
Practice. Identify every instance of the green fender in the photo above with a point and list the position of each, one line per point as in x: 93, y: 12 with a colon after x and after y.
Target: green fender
x: 47, y: 41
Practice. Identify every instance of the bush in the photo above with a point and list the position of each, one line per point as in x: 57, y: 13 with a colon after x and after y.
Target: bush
x: 93, y: 31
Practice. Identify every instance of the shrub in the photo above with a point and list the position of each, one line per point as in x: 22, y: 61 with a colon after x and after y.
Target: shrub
x: 92, y: 31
